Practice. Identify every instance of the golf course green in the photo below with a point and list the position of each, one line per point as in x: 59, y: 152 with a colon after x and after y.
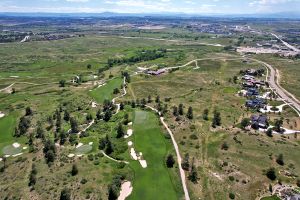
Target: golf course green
x: 153, y: 182
x: 106, y: 91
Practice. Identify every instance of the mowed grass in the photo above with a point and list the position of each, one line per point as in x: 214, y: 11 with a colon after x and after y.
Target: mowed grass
x: 7, y: 127
x: 106, y: 91
x: 153, y: 182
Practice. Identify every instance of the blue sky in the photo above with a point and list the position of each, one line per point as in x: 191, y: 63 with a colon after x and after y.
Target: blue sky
x: 154, y: 6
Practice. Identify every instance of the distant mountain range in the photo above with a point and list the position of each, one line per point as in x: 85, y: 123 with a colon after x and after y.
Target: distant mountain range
x: 290, y: 15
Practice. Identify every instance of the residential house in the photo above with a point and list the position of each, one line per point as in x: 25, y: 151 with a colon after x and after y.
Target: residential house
x: 259, y: 121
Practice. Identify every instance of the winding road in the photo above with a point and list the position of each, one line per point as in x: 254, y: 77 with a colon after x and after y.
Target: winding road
x: 273, y: 80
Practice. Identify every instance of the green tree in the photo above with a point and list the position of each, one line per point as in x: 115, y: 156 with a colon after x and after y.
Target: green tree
x: 40, y: 133
x: 271, y: 174
x: 175, y: 111
x: 74, y: 125
x: 66, y: 116
x: 279, y: 160
x: 245, y: 122
x: 74, y: 170
x: 120, y: 131
x: 62, y: 83
x: 185, y: 164
x: 170, y: 161
x: 216, y: 119
x: 109, y: 148
x: 32, y: 176
x: 189, y: 114
x: 205, y: 114
x: 65, y: 194
x: 180, y: 109
x: 28, y: 111
x: 149, y: 99
x: 193, y: 176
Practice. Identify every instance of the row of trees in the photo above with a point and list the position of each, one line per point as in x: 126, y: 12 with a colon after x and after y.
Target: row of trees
x: 191, y: 168
x: 141, y: 56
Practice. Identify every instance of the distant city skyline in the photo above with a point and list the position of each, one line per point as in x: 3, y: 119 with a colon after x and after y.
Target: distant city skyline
x: 147, y: 6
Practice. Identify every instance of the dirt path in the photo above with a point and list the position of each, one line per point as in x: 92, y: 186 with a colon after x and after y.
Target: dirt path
x: 168, y: 40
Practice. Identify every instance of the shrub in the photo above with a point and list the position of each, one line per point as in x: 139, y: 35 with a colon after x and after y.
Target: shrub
x: 271, y: 174
x: 231, y: 195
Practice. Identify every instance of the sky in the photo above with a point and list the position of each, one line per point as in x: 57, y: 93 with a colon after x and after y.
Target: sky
x: 152, y: 6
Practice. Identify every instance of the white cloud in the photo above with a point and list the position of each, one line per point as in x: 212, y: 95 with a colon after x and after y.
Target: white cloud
x: 77, y: 0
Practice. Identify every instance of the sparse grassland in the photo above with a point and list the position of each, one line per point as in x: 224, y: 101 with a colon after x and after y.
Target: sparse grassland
x: 41, y: 65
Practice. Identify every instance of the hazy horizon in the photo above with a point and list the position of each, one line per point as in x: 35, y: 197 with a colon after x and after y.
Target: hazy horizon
x: 204, y: 7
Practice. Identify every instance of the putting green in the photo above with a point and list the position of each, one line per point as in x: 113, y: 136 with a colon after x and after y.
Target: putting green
x: 11, y: 150
x: 153, y: 182
x: 84, y: 149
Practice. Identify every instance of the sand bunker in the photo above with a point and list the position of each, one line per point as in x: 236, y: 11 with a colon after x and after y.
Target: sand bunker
x: 94, y: 105
x: 90, y: 143
x: 129, y: 124
x: 130, y: 143
x: 129, y: 133
x: 138, y: 157
x: 71, y: 155
x: 1, y: 114
x: 143, y: 163
x: 79, y: 145
x: 133, y: 154
x: 126, y: 190
x: 18, y: 154
x: 24, y: 148
x: 1, y: 159
x: 16, y: 145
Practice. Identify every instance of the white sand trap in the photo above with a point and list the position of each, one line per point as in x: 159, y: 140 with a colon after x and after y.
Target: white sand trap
x: 79, y: 155
x: 126, y: 190
x: 16, y: 145
x: 79, y: 145
x: 129, y: 133
x: 71, y: 155
x: 143, y: 163
x: 129, y: 124
x: 18, y: 154
x: 24, y: 148
x: 90, y: 143
x: 133, y: 154
x: 130, y: 143
x: 94, y: 105
x: 1, y: 159
x: 14, y: 76
x: 6, y: 156
x: 1, y: 114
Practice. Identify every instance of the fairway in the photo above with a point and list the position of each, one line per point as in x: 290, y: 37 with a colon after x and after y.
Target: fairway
x: 106, y: 91
x: 154, y: 181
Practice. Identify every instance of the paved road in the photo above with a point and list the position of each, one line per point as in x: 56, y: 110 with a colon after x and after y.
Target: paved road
x: 273, y: 80
x: 286, y: 44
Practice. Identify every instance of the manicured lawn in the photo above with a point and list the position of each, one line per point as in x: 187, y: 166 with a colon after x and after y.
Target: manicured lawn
x: 153, y: 182
x: 106, y: 91
x: 7, y: 127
